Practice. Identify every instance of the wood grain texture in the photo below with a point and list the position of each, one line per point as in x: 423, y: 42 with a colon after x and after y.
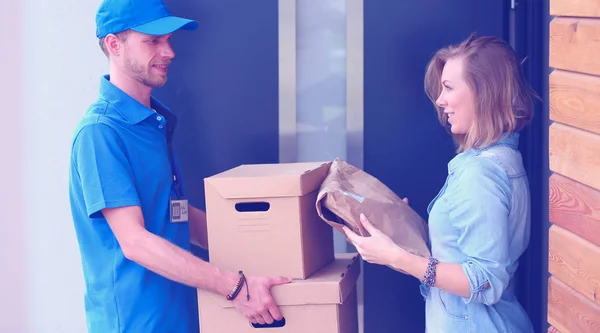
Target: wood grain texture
x: 569, y: 311
x: 575, y: 261
x: 575, y: 153
x: 575, y: 99
x: 575, y: 207
x: 575, y: 44
x: 575, y: 8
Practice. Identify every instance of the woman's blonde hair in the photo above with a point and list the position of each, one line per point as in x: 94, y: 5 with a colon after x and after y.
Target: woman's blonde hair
x: 503, y: 98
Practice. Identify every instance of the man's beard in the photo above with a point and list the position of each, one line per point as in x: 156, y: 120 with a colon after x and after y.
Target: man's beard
x: 139, y: 74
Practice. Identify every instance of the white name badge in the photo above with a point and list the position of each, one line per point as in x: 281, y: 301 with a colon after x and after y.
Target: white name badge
x: 179, y: 210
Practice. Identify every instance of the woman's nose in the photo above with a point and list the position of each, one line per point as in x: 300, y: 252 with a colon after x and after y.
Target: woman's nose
x: 441, y: 102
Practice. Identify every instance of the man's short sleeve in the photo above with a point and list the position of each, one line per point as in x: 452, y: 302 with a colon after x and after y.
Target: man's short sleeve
x: 105, y: 174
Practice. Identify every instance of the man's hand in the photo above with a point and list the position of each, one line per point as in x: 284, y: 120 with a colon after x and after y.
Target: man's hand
x: 261, y: 307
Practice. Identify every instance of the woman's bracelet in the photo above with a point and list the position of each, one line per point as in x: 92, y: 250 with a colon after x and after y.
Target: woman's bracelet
x: 430, y: 273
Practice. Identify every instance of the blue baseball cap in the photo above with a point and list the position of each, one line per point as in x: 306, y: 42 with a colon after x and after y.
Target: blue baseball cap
x: 146, y: 16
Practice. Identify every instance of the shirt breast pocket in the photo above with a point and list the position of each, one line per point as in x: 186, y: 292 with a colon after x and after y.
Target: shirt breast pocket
x: 453, y: 306
x: 440, y: 193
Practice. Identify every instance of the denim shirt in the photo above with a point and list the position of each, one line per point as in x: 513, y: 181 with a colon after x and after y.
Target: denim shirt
x: 481, y: 220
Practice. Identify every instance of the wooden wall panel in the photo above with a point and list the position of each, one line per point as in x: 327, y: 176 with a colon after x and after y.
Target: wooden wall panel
x: 574, y: 186
x: 553, y: 330
x: 569, y: 311
x: 575, y: 153
x: 575, y: 262
x: 575, y: 207
x: 575, y: 99
x: 575, y: 44
x: 575, y: 8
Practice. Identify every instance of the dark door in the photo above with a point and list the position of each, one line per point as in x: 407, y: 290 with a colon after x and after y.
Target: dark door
x: 531, y: 42
x: 404, y: 145
x: 223, y: 85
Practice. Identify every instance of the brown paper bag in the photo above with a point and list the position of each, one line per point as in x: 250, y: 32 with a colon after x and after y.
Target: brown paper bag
x: 348, y: 191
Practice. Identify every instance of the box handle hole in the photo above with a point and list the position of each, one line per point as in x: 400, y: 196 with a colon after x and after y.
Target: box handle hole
x: 252, y: 206
x: 277, y: 323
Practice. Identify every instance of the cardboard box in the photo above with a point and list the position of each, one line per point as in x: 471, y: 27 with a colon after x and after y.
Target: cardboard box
x: 262, y: 219
x: 323, y: 303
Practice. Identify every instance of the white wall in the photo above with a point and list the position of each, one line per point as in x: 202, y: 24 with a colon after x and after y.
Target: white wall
x: 12, y: 257
x: 52, y: 64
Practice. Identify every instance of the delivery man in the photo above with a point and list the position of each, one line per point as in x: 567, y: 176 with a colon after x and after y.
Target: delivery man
x: 132, y: 220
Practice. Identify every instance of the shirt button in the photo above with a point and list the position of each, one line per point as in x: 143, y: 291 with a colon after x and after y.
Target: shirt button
x: 467, y: 317
x: 159, y: 118
x: 160, y: 126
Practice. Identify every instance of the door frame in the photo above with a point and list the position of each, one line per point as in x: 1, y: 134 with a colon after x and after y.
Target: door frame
x: 531, y: 43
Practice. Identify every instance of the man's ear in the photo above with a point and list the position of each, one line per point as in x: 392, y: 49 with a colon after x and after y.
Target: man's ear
x: 113, y: 44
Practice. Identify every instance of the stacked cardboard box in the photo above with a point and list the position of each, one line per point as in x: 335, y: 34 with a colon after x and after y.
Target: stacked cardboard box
x: 262, y: 219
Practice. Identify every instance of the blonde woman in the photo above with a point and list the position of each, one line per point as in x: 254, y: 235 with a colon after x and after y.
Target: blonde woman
x: 479, y: 223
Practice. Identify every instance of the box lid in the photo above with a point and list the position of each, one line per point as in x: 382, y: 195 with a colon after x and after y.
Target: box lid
x: 269, y: 180
x: 330, y: 285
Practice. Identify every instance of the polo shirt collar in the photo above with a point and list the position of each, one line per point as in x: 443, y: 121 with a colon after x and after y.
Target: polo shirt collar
x: 129, y: 108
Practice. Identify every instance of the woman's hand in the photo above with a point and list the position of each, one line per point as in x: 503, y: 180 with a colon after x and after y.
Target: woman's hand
x: 376, y: 249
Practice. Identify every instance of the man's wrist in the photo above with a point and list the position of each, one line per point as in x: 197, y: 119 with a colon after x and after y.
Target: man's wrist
x: 239, y: 285
x: 227, y: 281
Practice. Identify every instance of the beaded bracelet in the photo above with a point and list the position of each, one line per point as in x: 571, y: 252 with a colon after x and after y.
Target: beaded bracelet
x: 238, y: 286
x: 430, y: 274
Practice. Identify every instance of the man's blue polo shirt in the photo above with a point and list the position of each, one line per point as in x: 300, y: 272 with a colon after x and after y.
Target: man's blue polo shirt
x: 120, y: 158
